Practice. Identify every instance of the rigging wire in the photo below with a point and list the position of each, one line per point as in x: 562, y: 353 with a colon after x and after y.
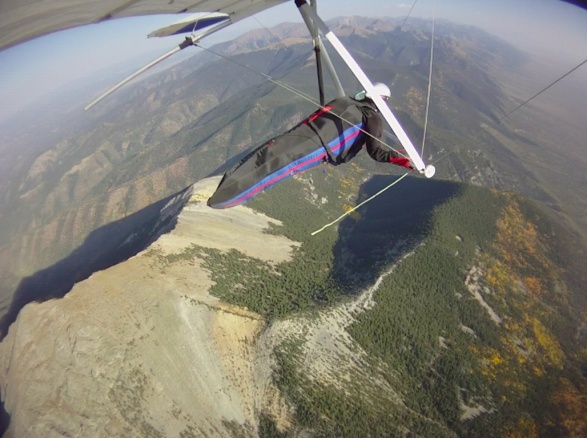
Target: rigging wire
x: 479, y: 131
x: 429, y: 81
x: 280, y: 41
x: 195, y: 26
x: 277, y: 82
x: 314, y: 102
x: 543, y: 90
x: 267, y: 29
x: 319, y: 105
x: 308, y: 97
x: 362, y: 203
x: 407, y: 16
x: 297, y: 92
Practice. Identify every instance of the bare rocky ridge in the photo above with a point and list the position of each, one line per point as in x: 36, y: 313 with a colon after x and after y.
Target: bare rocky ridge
x: 74, y: 172
x: 142, y: 348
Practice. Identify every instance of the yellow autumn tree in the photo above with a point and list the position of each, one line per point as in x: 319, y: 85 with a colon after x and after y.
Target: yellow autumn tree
x: 525, y: 427
x: 572, y: 409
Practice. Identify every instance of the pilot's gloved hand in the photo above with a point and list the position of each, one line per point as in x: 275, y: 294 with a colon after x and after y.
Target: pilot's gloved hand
x: 402, y: 161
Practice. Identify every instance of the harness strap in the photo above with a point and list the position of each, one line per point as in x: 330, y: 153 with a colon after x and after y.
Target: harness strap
x: 310, y: 122
x: 332, y: 159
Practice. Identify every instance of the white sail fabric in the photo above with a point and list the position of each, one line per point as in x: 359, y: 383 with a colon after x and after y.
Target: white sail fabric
x: 22, y: 20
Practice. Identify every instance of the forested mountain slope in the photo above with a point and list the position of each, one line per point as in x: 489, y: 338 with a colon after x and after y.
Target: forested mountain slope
x: 439, y: 309
x: 475, y: 328
x: 445, y: 307
x: 68, y: 172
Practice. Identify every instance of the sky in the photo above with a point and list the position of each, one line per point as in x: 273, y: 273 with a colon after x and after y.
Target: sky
x: 556, y: 30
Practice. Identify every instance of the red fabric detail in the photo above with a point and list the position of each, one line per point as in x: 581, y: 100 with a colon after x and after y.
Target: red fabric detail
x: 318, y: 114
x: 294, y: 169
x: 401, y: 161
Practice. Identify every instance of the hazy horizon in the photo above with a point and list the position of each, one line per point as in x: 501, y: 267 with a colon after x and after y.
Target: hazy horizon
x: 35, y: 68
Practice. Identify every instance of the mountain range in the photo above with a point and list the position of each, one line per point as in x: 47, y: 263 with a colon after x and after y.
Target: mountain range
x: 283, y: 329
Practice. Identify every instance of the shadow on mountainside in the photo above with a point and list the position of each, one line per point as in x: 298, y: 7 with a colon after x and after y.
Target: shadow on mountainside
x: 104, y: 247
x: 386, y: 228
x: 4, y: 418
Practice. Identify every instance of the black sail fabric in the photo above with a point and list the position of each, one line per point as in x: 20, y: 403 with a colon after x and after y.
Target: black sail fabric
x: 332, y: 134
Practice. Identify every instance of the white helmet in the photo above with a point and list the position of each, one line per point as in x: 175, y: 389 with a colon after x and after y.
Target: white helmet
x: 381, y: 89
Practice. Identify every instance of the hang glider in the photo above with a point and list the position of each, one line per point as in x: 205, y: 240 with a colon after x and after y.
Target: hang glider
x: 21, y: 20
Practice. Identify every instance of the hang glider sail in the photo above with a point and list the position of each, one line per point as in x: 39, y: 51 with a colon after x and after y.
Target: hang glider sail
x: 308, y: 144
x: 196, y: 23
x: 200, y: 25
x: 301, y: 149
x: 22, y: 20
x: 390, y: 118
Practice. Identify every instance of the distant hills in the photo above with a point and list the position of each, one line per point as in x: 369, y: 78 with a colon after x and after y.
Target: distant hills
x: 440, y: 309
x: 69, y: 172
x: 445, y: 307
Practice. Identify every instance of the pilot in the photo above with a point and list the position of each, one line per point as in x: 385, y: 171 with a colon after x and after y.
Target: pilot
x: 334, y: 134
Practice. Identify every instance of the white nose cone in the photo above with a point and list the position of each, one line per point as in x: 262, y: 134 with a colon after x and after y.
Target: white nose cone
x: 429, y: 171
